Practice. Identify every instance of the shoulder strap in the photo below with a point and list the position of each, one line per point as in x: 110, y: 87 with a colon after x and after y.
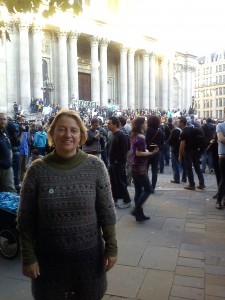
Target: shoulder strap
x: 154, y: 136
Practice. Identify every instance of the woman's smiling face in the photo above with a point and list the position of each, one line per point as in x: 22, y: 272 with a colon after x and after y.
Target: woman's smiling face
x: 66, y: 136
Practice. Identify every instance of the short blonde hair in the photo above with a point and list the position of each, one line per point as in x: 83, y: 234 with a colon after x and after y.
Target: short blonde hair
x: 71, y: 114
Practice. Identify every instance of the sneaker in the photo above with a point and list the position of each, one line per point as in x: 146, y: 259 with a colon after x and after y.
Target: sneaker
x: 201, y: 186
x: 174, y: 181
x: 189, y: 187
x: 219, y: 206
x: 124, y: 205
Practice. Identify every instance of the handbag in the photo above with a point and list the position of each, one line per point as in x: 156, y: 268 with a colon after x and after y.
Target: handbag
x: 150, y: 144
x: 139, y: 169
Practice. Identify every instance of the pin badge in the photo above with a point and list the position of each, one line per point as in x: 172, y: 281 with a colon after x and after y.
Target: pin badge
x: 51, y: 191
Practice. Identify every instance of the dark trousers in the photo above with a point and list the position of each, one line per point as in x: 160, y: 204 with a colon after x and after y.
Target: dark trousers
x: 142, y: 190
x: 16, y: 168
x: 175, y: 166
x: 118, y: 179
x: 153, y: 161
x: 192, y: 157
x: 221, y: 188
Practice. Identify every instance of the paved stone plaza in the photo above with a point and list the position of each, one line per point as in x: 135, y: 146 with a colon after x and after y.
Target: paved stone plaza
x: 178, y: 254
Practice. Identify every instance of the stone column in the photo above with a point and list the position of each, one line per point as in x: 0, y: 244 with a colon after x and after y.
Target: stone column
x: 123, y: 77
x: 103, y: 72
x: 131, y: 98
x: 25, y: 95
x: 73, y: 65
x: 10, y: 69
x: 95, y: 93
x: 63, y: 70
x: 164, y: 90
x: 152, y: 94
x: 145, y: 86
x: 37, y: 61
x: 170, y: 85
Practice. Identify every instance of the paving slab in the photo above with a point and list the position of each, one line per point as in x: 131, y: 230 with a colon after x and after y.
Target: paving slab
x: 160, y: 258
x: 152, y: 285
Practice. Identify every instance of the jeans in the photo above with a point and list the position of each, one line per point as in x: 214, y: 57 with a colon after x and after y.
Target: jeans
x: 153, y: 161
x: 167, y: 153
x: 161, y: 160
x: 221, y: 188
x: 7, y: 180
x: 207, y: 160
x: 192, y: 157
x: 142, y: 190
x: 118, y: 179
x: 175, y: 166
x: 104, y: 157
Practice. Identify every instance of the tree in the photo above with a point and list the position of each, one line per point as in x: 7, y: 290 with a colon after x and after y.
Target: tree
x: 24, y: 6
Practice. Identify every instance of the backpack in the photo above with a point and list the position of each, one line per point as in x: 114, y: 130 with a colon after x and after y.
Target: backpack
x: 198, y: 142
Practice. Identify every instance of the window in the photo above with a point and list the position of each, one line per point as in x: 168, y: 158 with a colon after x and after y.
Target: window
x: 220, y: 102
x: 220, y: 91
x: 223, y: 67
x: 216, y: 79
x: 220, y: 68
x: 216, y: 69
x: 210, y: 70
x: 223, y: 78
x: 223, y: 90
x: 223, y: 101
x: 220, y: 79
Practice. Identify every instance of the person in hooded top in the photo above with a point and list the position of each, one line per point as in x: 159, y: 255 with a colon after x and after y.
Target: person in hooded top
x: 40, y: 140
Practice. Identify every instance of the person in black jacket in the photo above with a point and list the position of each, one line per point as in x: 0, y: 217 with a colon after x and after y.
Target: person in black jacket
x: 174, y: 142
x: 6, y: 170
x: 209, y: 130
x: 118, y: 148
x: 154, y: 135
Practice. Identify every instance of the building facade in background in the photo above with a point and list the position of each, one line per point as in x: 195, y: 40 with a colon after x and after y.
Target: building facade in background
x: 92, y: 58
x: 209, y: 98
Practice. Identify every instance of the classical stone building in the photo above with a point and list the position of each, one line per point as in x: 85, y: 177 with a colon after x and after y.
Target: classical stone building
x: 209, y: 98
x: 88, y: 58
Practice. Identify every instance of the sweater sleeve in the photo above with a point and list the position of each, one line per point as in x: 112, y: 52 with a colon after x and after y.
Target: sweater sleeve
x: 105, y: 207
x: 27, y: 216
x: 109, y: 236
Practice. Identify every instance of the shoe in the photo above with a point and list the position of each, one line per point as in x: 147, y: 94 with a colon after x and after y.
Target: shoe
x: 142, y: 218
x: 174, y: 181
x: 133, y: 213
x: 215, y: 196
x: 124, y: 205
x: 189, y: 187
x: 219, y: 206
x: 201, y: 186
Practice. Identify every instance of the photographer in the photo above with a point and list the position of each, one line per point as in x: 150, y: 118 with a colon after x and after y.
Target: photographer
x: 24, y: 147
x: 13, y: 131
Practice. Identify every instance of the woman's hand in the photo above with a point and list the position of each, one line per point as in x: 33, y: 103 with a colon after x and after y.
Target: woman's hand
x: 154, y: 151
x: 109, y: 262
x: 31, y: 270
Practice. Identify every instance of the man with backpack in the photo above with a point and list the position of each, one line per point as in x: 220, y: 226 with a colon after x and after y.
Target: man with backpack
x: 191, y: 145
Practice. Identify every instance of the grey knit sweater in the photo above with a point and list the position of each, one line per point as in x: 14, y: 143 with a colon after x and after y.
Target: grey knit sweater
x: 64, y: 206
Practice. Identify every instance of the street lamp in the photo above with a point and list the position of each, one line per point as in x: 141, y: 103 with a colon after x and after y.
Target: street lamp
x: 47, y: 88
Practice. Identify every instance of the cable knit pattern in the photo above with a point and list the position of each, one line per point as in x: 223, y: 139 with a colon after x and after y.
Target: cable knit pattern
x: 65, y: 211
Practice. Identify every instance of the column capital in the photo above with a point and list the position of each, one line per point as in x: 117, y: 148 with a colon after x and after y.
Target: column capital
x: 9, y: 26
x: 104, y: 42
x: 145, y: 53
x: 23, y: 25
x: 61, y: 34
x: 152, y: 55
x: 94, y: 40
x: 36, y: 28
x: 123, y: 49
x: 131, y: 51
x: 74, y: 35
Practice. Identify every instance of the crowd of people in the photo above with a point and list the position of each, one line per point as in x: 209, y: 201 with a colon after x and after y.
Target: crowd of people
x: 73, y: 168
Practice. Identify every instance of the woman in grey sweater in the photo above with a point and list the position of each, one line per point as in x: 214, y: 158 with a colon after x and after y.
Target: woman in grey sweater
x: 66, y: 218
